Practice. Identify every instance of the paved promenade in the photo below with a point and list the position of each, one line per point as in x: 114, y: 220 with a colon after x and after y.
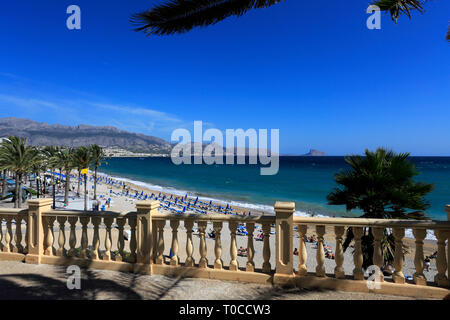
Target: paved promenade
x: 25, y: 281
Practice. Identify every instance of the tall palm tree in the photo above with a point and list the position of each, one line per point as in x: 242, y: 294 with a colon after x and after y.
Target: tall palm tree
x: 82, y: 158
x: 19, y: 158
x: 178, y: 16
x: 97, y: 157
x: 66, y: 161
x: 381, y: 185
x: 50, y: 154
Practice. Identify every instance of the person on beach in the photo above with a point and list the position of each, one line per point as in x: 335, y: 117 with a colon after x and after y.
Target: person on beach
x: 427, y: 263
x: 295, y: 252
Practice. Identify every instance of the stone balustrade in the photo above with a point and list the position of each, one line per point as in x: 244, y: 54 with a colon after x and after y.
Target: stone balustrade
x: 152, y: 242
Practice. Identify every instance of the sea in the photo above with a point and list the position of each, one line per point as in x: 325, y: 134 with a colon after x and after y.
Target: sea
x: 303, y: 180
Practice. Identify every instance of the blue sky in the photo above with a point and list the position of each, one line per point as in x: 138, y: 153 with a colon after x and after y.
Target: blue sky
x: 309, y: 68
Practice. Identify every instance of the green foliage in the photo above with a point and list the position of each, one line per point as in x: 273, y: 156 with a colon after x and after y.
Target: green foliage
x: 178, y: 16
x: 398, y: 7
x: 381, y: 184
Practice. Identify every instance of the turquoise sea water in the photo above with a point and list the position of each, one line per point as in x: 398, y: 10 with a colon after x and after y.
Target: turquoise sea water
x: 305, y: 180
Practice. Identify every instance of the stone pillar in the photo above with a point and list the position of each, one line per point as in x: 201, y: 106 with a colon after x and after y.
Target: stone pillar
x: 378, y: 259
x: 35, y: 229
x: 358, y: 273
x: 398, y: 275
x: 302, y: 252
x: 284, y: 238
x: 419, y: 277
x: 339, y: 272
x: 144, y: 235
x: 441, y: 262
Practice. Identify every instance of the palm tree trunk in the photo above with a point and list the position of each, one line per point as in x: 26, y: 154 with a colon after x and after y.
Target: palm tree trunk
x: 95, y: 183
x: 85, y: 192
x: 66, y: 193
x: 38, y: 185
x: 19, y: 198
x: 79, y: 179
x: 16, y: 191
x: 4, y: 184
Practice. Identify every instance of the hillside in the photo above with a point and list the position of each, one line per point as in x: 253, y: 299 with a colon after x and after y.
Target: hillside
x: 44, y: 134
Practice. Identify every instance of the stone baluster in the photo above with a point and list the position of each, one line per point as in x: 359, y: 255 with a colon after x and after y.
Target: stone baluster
x: 72, y: 236
x: 320, y: 254
x: 234, y: 265
x: 339, y: 272
x: 155, y: 240
x: 189, y: 224
x: 250, y: 267
x: 358, y: 273
x: 18, y: 235
x: 25, y: 249
x: 132, y: 221
x: 108, y: 222
x: 377, y: 251
x: 121, y: 239
x: 49, y: 239
x: 8, y: 235
x: 218, y: 263
x: 1, y: 235
x: 96, y: 238
x: 441, y: 260
x: 302, y: 252
x: 266, y: 267
x: 84, y: 237
x: 419, y: 277
x: 61, y: 236
x: 160, y: 257
x: 203, y: 263
x: 175, y: 260
x: 398, y: 275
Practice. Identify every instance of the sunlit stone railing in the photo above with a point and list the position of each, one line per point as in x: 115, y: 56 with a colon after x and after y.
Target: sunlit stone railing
x: 152, y: 242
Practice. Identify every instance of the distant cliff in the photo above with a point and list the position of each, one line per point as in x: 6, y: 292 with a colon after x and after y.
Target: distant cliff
x: 315, y: 153
x: 44, y: 134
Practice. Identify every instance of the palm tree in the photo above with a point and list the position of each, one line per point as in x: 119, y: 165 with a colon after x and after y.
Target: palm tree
x: 19, y: 158
x: 178, y: 16
x: 50, y: 154
x: 66, y: 160
x: 82, y: 159
x: 381, y: 185
x: 97, y: 157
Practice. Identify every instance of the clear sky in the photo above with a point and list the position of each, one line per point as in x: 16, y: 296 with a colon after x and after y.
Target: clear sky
x: 309, y: 68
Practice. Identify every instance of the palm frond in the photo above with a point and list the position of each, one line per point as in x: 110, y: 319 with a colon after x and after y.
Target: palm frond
x: 398, y: 7
x: 178, y: 16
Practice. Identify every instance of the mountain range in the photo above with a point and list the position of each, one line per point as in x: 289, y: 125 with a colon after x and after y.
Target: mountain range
x: 44, y: 134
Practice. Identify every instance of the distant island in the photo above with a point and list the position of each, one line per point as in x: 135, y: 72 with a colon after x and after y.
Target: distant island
x: 315, y: 153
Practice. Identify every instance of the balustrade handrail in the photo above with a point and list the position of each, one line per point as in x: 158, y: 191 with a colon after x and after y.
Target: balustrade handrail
x: 366, y: 222
x: 82, y: 213
x: 214, y: 217
x: 13, y: 211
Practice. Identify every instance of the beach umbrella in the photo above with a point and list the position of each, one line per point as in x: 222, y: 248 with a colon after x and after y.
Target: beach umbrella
x: 184, y: 209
